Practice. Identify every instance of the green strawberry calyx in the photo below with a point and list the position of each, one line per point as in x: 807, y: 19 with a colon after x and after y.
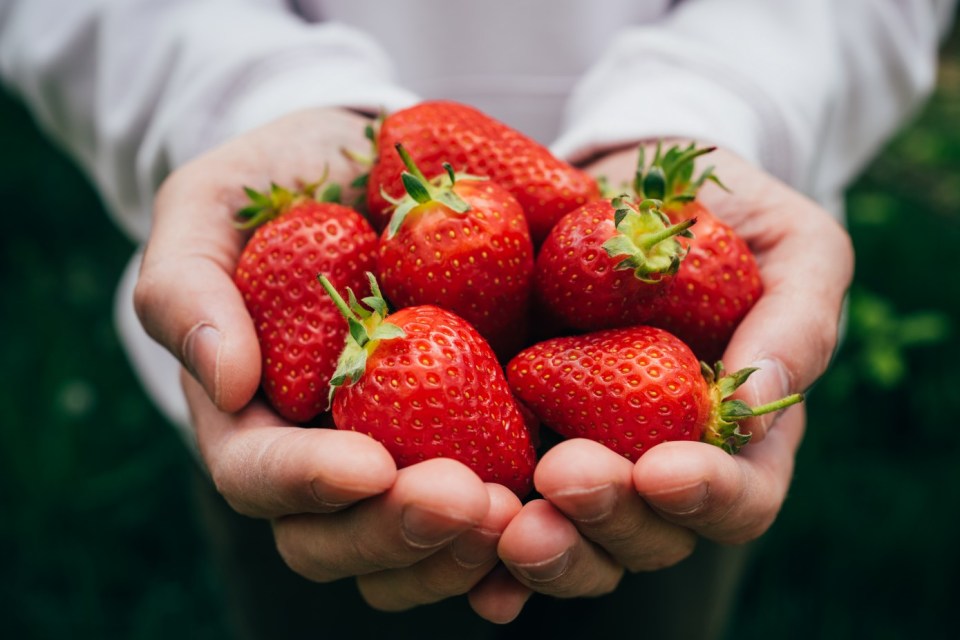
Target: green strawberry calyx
x: 723, y: 428
x: 263, y: 207
x: 421, y: 191
x: 669, y: 177
x: 645, y: 240
x: 368, y: 327
x: 366, y: 160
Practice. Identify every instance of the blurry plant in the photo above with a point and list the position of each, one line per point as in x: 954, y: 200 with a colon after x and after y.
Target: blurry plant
x: 879, y: 341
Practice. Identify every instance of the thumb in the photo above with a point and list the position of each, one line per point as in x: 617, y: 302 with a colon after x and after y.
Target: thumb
x: 185, y: 296
x: 791, y: 333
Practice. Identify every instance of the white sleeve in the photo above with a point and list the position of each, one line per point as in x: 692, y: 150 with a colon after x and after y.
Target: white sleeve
x: 133, y: 88
x: 808, y: 90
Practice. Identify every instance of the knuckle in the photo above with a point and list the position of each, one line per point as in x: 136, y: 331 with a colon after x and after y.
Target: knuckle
x: 607, y: 586
x: 599, y: 580
x: 585, y: 577
x: 226, y: 487
x: 751, y: 530
x: 372, y: 554
x: 145, y: 296
x: 288, y: 552
x: 679, y: 548
x: 428, y: 588
x: 382, y: 599
x: 152, y: 304
x: 295, y: 556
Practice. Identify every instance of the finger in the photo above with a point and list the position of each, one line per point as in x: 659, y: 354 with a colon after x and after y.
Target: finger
x: 430, y: 504
x: 449, y: 572
x: 546, y: 553
x: 186, y: 300
x: 185, y: 297
x: 266, y: 468
x: 806, y: 265
x: 726, y: 498
x: 593, y: 487
x: 791, y: 333
x: 499, y: 597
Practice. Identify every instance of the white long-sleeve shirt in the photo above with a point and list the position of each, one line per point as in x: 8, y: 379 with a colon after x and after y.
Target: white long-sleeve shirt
x: 808, y: 89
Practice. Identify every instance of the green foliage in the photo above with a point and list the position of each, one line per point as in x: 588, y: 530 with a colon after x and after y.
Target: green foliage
x: 882, y: 341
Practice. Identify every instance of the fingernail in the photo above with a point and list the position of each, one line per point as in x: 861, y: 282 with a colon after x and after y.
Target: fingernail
x: 586, y: 505
x: 768, y: 383
x: 423, y: 528
x: 476, y: 547
x: 323, y: 503
x: 547, y: 570
x: 201, y: 354
x: 681, y: 501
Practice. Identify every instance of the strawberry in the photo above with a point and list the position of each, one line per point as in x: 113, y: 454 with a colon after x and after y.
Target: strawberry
x: 462, y: 243
x: 440, y: 131
x: 719, y: 280
x: 715, y: 287
x: 605, y: 264
x: 425, y: 384
x: 299, y: 329
x: 631, y: 389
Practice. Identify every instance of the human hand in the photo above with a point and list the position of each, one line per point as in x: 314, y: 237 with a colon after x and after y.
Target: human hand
x: 412, y: 536
x: 602, y: 515
x: 340, y: 508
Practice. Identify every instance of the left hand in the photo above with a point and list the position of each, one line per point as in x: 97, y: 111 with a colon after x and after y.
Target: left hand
x: 600, y: 514
x: 338, y: 505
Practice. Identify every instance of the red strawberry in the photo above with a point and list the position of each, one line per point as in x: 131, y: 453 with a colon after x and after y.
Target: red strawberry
x: 425, y: 384
x: 715, y: 287
x: 605, y: 264
x: 300, y: 330
x: 719, y: 280
x: 461, y: 243
x: 631, y: 389
x: 439, y: 131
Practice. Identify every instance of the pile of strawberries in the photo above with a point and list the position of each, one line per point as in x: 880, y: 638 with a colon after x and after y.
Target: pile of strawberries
x: 521, y: 296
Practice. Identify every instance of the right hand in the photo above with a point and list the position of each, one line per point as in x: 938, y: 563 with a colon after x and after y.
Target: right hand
x: 602, y: 515
x: 412, y: 536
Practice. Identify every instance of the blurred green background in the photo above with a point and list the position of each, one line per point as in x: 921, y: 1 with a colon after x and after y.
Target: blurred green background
x: 99, y: 537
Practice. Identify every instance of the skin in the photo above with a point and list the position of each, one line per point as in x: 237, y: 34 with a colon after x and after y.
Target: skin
x: 434, y: 530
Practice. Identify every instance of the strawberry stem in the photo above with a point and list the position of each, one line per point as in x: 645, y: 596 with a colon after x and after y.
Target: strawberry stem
x: 410, y: 164
x: 338, y: 300
x: 777, y: 405
x: 422, y: 191
x: 367, y: 329
x: 723, y: 429
x: 357, y: 330
x: 367, y: 160
x: 675, y: 230
x: 645, y: 240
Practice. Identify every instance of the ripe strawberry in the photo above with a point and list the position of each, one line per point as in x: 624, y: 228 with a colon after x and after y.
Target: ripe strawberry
x: 719, y: 280
x: 425, y: 384
x: 436, y: 132
x: 461, y: 243
x: 630, y: 389
x: 605, y: 264
x: 300, y: 331
x: 715, y: 287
